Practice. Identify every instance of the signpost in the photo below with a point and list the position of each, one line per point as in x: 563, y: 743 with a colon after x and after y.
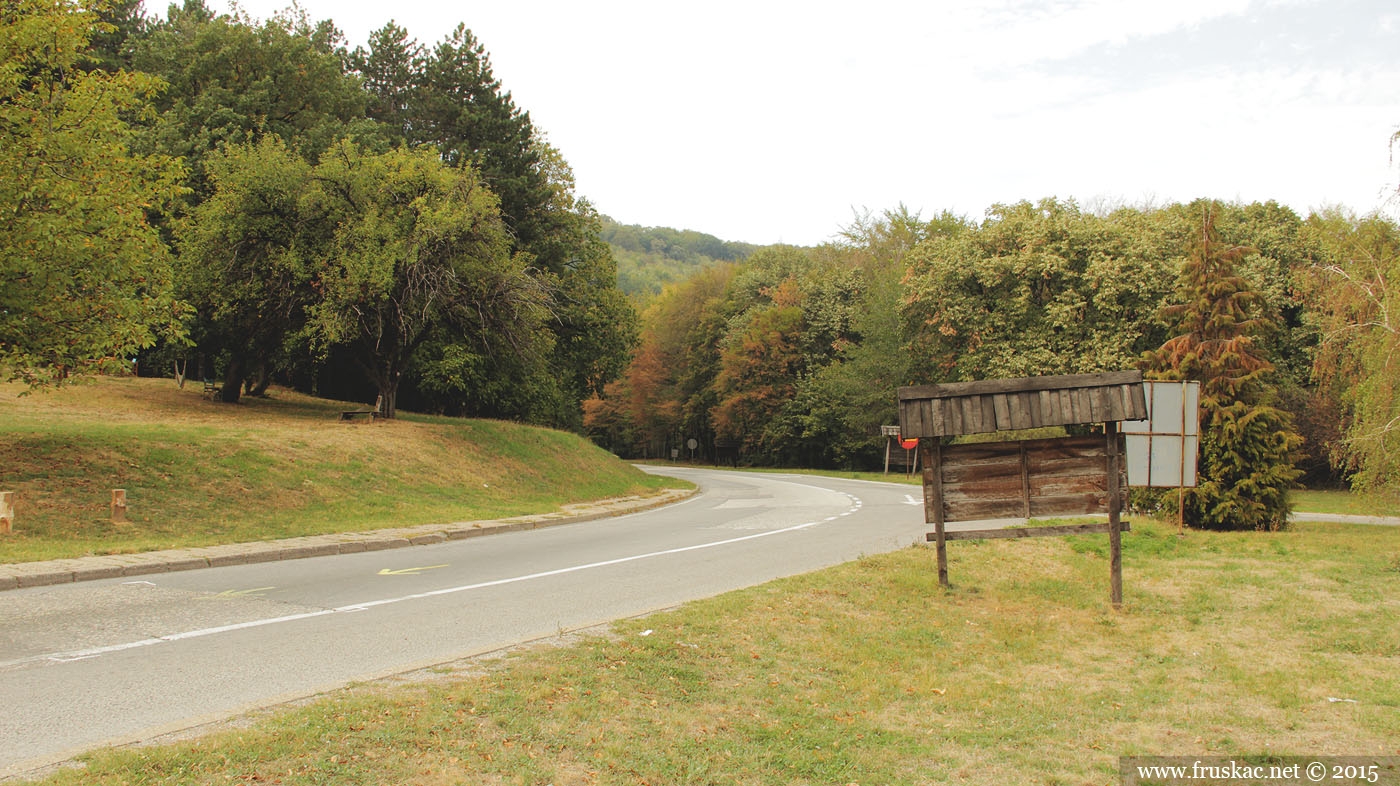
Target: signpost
x: 1067, y: 476
x: 1163, y: 448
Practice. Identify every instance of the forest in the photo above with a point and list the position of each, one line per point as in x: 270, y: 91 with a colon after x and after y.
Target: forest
x: 256, y: 203
x: 794, y: 354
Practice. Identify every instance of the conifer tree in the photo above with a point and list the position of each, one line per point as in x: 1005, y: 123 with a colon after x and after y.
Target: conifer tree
x: 1246, y: 464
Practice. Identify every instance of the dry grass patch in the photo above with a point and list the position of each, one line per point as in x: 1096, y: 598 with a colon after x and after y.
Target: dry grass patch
x: 199, y: 472
x: 870, y: 673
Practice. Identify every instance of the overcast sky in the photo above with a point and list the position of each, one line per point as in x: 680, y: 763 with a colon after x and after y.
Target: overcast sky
x: 772, y: 122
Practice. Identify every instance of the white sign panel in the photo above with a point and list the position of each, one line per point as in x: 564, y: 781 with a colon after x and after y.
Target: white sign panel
x: 1162, y: 450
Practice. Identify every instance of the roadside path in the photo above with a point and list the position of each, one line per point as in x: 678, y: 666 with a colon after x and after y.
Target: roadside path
x: 1340, y: 518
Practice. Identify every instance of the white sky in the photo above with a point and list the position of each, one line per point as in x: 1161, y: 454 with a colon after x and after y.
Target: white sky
x: 766, y: 121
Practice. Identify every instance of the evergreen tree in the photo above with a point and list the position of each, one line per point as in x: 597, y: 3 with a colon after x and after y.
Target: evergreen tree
x: 392, y: 70
x: 1246, y: 464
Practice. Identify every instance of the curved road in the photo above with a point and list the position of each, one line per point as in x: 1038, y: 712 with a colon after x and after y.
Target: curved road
x: 122, y: 660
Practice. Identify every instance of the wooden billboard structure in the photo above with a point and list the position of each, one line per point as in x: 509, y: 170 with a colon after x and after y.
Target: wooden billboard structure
x: 1066, y: 476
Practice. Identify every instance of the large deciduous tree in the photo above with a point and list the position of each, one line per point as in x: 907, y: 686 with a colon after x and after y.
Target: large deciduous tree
x: 418, y: 251
x: 84, y: 277
x: 1036, y: 289
x: 248, y: 259
x: 1354, y: 295
x: 449, y: 98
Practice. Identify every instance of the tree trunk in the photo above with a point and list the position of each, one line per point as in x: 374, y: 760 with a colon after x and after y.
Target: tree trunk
x: 259, y: 384
x: 233, y: 381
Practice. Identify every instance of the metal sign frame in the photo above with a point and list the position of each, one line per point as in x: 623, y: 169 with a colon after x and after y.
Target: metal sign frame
x: 1163, y: 449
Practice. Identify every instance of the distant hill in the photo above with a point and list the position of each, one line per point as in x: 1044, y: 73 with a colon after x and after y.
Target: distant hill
x: 649, y: 258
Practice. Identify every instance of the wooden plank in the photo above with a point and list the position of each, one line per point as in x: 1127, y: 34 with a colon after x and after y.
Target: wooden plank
x: 908, y: 417
x: 976, y: 509
x: 991, y: 386
x: 1041, y: 451
x: 974, y: 452
x: 985, y: 417
x: 1025, y: 482
x: 1096, y: 466
x: 1083, y: 406
x: 1066, y: 406
x: 954, y: 415
x: 1061, y: 448
x: 1103, y: 401
x: 957, y: 474
x: 932, y: 454
x: 1069, y: 505
x: 1005, y: 488
x: 1115, y: 504
x: 1001, y: 411
x: 1016, y: 416
x: 1137, y: 398
x: 1068, y: 487
x: 1117, y: 409
x: 1027, y: 532
x: 1033, y: 406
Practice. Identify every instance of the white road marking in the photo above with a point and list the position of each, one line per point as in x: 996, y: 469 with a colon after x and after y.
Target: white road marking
x: 66, y: 657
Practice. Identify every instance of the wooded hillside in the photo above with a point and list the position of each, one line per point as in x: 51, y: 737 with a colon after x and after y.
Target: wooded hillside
x: 793, y: 355
x: 256, y: 202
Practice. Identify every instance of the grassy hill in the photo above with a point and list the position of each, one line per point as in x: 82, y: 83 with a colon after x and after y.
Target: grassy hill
x: 198, y: 472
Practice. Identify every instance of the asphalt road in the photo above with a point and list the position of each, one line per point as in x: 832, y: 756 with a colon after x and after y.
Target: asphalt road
x: 122, y: 660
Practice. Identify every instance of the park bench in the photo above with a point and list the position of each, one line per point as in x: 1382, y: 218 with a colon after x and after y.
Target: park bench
x: 374, y: 414
x: 212, y: 389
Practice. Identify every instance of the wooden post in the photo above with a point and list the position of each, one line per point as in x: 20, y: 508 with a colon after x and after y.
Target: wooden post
x: 118, y: 506
x: 7, y: 512
x: 931, y: 452
x: 1115, y: 509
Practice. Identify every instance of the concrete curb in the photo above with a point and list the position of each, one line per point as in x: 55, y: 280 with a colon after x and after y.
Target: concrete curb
x: 64, y: 571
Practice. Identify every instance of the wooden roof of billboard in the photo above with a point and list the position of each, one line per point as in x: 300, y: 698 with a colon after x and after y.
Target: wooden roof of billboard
x: 958, y: 408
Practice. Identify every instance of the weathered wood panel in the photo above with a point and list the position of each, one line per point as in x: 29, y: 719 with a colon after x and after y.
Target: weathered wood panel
x: 1014, y: 404
x: 1054, y: 477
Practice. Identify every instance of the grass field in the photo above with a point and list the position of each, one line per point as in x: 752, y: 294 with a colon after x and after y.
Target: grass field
x: 1346, y: 503
x: 1241, y: 645
x: 199, y: 473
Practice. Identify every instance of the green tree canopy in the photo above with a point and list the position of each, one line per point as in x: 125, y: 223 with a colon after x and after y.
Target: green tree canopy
x: 231, y: 82
x: 1037, y: 289
x: 417, y: 249
x: 1357, y: 308
x: 84, y: 277
x: 248, y: 258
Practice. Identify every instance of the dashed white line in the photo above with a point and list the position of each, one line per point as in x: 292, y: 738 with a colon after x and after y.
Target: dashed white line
x: 66, y: 657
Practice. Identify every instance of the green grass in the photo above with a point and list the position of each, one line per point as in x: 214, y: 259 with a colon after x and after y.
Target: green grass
x: 201, y: 473
x: 1347, y: 502
x: 1229, y: 644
